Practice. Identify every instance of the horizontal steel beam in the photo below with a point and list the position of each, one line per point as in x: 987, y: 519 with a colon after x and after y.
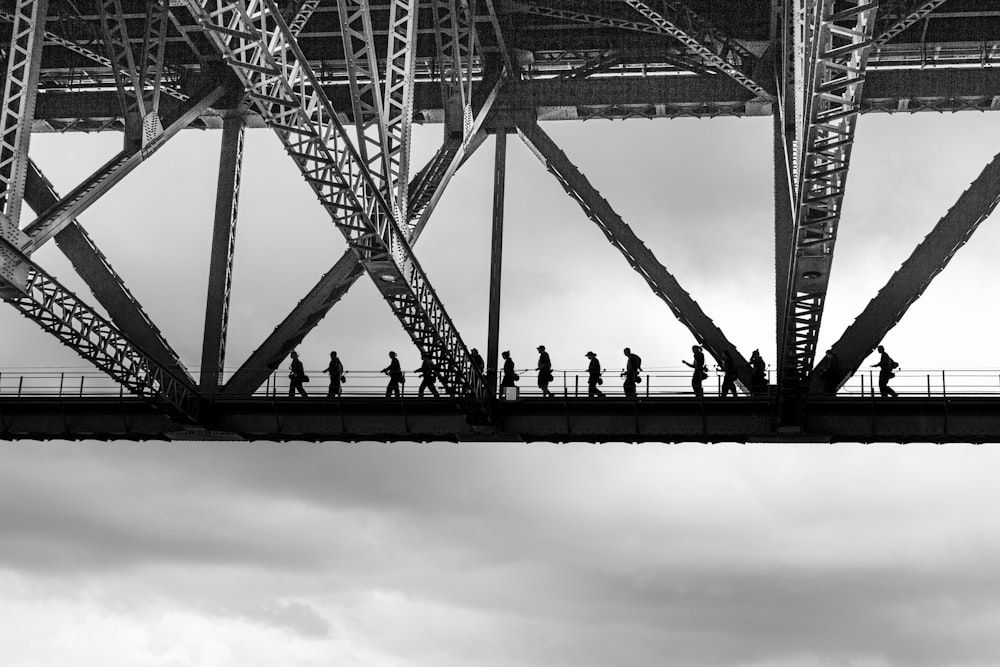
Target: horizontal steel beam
x: 745, y: 420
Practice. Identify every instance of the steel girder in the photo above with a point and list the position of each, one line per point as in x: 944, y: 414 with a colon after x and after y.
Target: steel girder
x: 123, y: 66
x: 425, y: 191
x: 713, y: 47
x: 90, y: 190
x: 910, y: 281
x: 902, y: 16
x: 254, y: 40
x: 300, y: 11
x: 366, y: 96
x: 836, y: 37
x: 220, y: 273
x: 80, y: 327
x: 398, y: 98
x: 16, y: 115
x: 104, y: 282
x: 455, y: 44
x: 639, y: 257
x: 55, y: 38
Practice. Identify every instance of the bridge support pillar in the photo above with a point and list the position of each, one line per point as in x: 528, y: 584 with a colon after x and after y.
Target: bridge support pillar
x: 496, y: 262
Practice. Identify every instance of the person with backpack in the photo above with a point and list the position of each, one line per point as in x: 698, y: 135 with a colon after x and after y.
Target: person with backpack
x: 509, y: 375
x: 427, y: 374
x: 337, y: 377
x: 633, y: 366
x: 700, y: 370
x: 886, y: 366
x: 396, y: 377
x: 296, y: 376
x: 544, y: 372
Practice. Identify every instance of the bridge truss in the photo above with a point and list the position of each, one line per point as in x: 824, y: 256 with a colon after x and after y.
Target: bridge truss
x: 341, y: 82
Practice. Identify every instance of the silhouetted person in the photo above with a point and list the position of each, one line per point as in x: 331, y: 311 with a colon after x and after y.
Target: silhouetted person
x: 633, y: 366
x: 700, y: 372
x: 544, y: 371
x: 594, y: 376
x: 509, y: 376
x: 728, y: 375
x: 831, y: 372
x: 336, y: 371
x: 296, y: 376
x: 758, y: 370
x: 427, y: 375
x: 477, y: 360
x: 395, y: 374
x: 885, y: 367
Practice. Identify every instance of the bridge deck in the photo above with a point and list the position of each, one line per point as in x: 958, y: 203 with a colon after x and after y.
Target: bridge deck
x: 851, y: 419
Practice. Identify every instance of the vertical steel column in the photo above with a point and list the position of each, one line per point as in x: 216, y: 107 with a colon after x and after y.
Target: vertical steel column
x: 16, y: 114
x: 220, y: 276
x: 496, y: 262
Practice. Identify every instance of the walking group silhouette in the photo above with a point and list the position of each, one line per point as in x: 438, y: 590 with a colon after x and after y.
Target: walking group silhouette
x: 631, y: 374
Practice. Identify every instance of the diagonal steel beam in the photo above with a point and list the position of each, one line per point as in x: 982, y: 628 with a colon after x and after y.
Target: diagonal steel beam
x: 298, y: 14
x: 910, y: 281
x: 254, y: 40
x: 20, y: 87
x: 831, y: 72
x: 425, y: 192
x: 704, y: 40
x: 902, y: 17
x: 123, y: 66
x: 106, y: 285
x: 78, y: 326
x: 47, y: 225
x: 220, y: 273
x: 641, y: 258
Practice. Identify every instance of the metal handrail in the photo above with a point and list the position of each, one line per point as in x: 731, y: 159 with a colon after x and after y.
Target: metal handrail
x: 664, y: 382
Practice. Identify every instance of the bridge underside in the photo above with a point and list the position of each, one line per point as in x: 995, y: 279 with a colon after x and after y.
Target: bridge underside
x: 903, y: 420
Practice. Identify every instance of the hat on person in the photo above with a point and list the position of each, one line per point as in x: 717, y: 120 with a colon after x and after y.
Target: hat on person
x: 590, y: 354
x: 540, y: 347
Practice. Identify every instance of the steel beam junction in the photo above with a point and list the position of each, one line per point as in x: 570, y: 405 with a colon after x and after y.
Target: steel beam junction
x: 830, y: 72
x: 901, y: 16
x: 255, y: 41
x: 426, y: 190
x: 705, y: 41
x: 639, y: 257
x: 104, y: 282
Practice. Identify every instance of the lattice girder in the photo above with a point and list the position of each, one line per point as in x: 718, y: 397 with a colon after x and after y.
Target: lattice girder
x: 398, y: 97
x: 837, y: 39
x: 20, y: 88
x: 256, y: 43
x: 704, y: 40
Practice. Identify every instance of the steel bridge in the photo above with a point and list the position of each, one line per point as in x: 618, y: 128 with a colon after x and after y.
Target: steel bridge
x: 341, y: 82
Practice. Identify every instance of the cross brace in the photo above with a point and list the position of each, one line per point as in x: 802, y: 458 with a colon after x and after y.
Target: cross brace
x: 255, y: 41
x: 641, y: 258
x: 910, y: 281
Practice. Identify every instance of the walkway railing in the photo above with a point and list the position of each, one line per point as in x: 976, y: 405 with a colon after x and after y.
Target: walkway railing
x: 660, y: 382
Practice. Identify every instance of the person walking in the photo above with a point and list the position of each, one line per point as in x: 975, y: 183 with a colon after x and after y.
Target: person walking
x: 633, y: 366
x: 477, y: 360
x: 427, y: 374
x: 700, y: 372
x: 886, y: 366
x: 594, y: 376
x: 396, y: 376
x: 336, y: 371
x: 509, y: 376
x: 544, y: 372
x: 296, y: 376
x: 728, y: 375
x: 758, y: 373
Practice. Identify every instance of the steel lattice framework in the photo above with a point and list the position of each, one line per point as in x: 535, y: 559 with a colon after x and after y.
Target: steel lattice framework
x: 341, y: 82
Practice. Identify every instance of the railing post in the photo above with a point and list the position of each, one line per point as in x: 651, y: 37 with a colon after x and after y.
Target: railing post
x: 565, y: 388
x: 928, y: 385
x: 20, y: 384
x: 576, y: 386
x: 62, y: 378
x: 944, y: 387
x: 862, y: 386
x: 82, y: 378
x: 647, y: 385
x: 871, y: 384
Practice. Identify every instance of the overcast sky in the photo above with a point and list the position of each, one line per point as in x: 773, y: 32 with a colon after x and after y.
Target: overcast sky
x: 218, y: 555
